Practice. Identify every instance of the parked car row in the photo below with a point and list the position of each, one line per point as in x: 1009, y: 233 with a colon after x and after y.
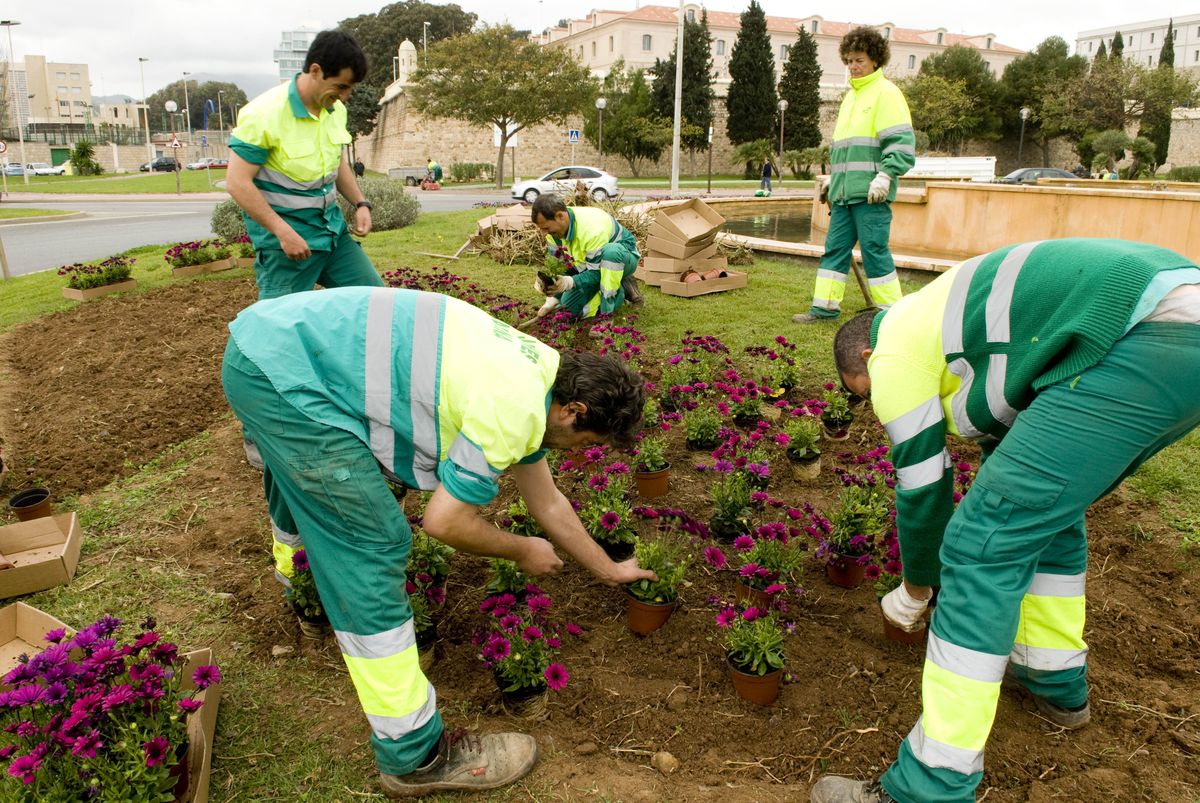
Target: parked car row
x: 35, y: 169
x: 161, y: 164
x: 208, y: 163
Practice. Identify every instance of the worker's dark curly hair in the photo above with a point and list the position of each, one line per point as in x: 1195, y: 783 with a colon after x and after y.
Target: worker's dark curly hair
x: 851, y: 339
x: 611, y: 390
x: 334, y: 51
x: 866, y: 40
x: 547, y: 205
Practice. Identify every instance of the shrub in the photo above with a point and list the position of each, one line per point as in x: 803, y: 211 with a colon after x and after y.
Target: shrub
x: 651, y: 455
x: 227, y: 221
x: 731, y: 505
x: 83, y: 162
x: 470, y: 171
x: 701, y: 427
x: 110, y: 271
x: 804, y: 432
x: 394, y: 209
x: 1185, y: 173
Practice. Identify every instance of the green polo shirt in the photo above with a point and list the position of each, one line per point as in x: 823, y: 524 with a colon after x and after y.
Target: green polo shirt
x: 299, y: 155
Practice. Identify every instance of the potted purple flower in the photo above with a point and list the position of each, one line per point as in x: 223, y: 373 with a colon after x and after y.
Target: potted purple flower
x: 520, y: 646
x: 198, y: 256
x: 607, y: 514
x: 90, y: 717
x: 753, y: 640
x: 85, y: 282
x: 653, y: 469
x: 304, y: 599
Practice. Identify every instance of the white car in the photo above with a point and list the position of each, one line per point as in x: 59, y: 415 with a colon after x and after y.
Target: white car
x: 601, y: 186
x: 44, y: 169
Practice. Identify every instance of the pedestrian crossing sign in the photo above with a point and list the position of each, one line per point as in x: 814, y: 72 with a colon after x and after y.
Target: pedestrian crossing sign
x: 573, y: 136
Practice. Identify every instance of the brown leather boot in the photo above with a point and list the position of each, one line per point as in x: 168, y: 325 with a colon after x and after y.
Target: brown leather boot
x: 467, y: 762
x: 836, y: 789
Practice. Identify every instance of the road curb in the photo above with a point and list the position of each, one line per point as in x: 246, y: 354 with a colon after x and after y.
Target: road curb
x: 44, y: 218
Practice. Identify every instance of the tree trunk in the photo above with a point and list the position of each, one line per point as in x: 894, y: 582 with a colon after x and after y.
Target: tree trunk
x: 500, y: 159
x: 633, y: 167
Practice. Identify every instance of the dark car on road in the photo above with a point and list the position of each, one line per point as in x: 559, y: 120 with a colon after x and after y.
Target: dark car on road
x: 1030, y: 175
x: 160, y: 164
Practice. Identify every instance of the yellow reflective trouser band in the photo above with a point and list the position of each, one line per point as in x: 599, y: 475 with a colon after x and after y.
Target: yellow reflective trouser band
x: 829, y: 289
x: 1050, y: 633
x: 394, y: 693
x: 593, y: 304
x: 283, y: 546
x: 958, y: 710
x: 885, y: 290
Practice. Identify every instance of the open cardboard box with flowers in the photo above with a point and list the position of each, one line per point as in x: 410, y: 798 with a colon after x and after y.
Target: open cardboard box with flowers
x: 84, y: 715
x: 44, y: 553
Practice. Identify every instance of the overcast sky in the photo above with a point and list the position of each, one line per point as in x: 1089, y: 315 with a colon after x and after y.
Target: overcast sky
x: 226, y: 37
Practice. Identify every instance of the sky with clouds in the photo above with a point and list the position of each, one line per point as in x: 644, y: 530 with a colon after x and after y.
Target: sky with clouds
x: 236, y: 37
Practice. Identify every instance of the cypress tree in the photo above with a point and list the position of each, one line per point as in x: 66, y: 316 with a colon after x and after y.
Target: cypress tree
x: 1118, y: 48
x: 1156, y: 117
x: 1101, y: 53
x: 751, y: 99
x: 801, y: 88
x: 1167, y: 54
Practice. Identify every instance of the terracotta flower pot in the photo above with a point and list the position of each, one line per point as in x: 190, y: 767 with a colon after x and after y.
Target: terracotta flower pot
x: 314, y: 627
x: 893, y: 633
x: 757, y: 689
x: 804, y: 470
x: 844, y: 571
x: 32, y: 503
x: 651, y: 484
x: 752, y: 596
x: 644, y: 618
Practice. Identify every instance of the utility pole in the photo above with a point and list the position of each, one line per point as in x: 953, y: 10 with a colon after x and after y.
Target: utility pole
x: 20, y: 128
x: 146, y: 106
x: 678, y: 103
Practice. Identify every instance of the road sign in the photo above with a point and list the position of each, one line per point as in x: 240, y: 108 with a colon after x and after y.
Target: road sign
x: 573, y: 136
x: 203, y: 140
x: 3, y: 146
x: 174, y: 143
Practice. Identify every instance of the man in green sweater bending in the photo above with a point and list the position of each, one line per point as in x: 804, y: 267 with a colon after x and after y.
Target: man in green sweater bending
x: 1071, y: 362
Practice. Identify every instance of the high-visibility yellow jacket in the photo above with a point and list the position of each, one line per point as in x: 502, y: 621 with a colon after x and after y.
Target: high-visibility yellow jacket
x: 596, y: 250
x: 873, y: 134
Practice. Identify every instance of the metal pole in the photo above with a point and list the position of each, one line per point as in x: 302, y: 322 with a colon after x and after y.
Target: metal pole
x: 187, y: 108
x: 220, y: 114
x: 1021, y: 145
x: 146, y: 106
x: 710, y: 135
x: 20, y: 128
x: 425, y: 43
x: 601, y: 137
x: 678, y: 103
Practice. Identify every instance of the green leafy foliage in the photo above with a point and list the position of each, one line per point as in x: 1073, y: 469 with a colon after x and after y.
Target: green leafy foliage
x: 701, y: 427
x: 83, y: 159
x: 753, y: 639
x: 651, y: 454
x: 507, y: 577
x: 697, y: 95
x: 198, y: 95
x: 362, y: 107
x: 800, y: 86
x: 751, y: 99
x: 520, y: 521
x: 944, y: 109
x: 394, y: 208
x: 837, y: 407
x: 227, y: 221
x: 110, y: 271
x: 633, y: 129
x: 607, y: 514
x: 380, y: 33
x: 730, y: 496
x: 429, y: 556
x: 804, y: 435
x: 863, y: 512
x: 886, y: 583
x: 669, y: 561
x: 966, y: 67
x: 302, y: 593
x: 463, y: 172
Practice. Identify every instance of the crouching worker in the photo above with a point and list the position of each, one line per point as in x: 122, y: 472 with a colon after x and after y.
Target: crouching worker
x: 347, y: 388
x: 598, y: 253
x: 1033, y: 350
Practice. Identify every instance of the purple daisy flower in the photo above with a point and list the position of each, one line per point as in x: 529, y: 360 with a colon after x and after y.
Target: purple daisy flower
x: 156, y: 750
x: 122, y: 694
x: 574, y: 629
x: 610, y: 520
x: 25, y: 767
x: 715, y: 557
x: 556, y: 676
x: 300, y: 561
x: 190, y: 706
x: 86, y: 746
x: 751, y: 614
x: 726, y: 617
x: 206, y: 675
x: 532, y: 633
x: 56, y: 635
x: 743, y: 543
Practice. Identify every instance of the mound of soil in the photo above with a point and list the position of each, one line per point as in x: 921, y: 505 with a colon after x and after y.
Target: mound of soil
x: 93, y: 393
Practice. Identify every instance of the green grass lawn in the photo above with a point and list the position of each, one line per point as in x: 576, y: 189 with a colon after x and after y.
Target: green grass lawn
x: 16, y: 214
x: 121, y: 183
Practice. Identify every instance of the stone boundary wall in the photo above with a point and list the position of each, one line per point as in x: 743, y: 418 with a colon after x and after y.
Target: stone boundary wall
x: 117, y: 158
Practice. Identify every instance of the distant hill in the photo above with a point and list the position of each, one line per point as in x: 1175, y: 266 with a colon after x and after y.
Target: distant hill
x: 252, y: 85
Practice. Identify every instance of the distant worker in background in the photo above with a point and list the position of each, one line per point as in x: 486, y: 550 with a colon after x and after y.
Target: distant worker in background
x: 768, y: 168
x: 359, y: 168
x: 435, y: 171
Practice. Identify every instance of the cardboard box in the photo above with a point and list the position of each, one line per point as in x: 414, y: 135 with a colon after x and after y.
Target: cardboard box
x: 655, y: 278
x: 656, y: 246
x: 512, y: 218
x: 22, y: 632
x: 733, y: 281
x: 690, y: 222
x: 700, y: 261
x: 662, y: 233
x: 43, y: 551
x: 201, y: 728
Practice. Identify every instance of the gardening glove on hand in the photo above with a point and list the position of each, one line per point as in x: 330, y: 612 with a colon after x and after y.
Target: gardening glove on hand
x: 548, y: 307
x: 823, y: 189
x: 904, y: 610
x: 877, y: 193
x: 560, y: 285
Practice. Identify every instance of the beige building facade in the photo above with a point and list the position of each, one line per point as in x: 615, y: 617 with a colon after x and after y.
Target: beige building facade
x: 55, y: 92
x: 1143, y: 41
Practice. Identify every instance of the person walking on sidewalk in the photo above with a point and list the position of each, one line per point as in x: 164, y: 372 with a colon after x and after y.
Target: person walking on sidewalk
x: 767, y: 169
x: 287, y: 166
x: 596, y: 254
x: 1072, y: 362
x: 873, y: 145
x: 347, y: 388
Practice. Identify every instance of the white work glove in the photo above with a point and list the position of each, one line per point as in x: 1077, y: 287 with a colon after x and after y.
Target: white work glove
x: 549, y: 306
x: 560, y: 285
x: 823, y: 189
x: 877, y: 193
x: 904, y: 610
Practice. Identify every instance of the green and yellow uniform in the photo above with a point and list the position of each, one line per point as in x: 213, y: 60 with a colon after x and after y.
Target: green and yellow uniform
x: 603, y: 252
x: 1071, y: 362
x: 343, y: 389
x: 873, y: 134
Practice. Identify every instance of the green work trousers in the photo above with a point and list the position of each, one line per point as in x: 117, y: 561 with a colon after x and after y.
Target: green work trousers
x: 343, y: 265
x: 870, y: 226
x: 326, y: 482
x: 1015, y: 551
x: 599, y: 291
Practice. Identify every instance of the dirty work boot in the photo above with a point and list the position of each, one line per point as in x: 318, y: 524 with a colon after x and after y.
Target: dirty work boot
x: 1067, y: 718
x: 633, y: 293
x: 836, y: 789
x: 467, y: 762
x: 808, y: 317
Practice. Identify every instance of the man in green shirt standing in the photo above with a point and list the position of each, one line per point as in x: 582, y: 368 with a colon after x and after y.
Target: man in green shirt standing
x: 288, y: 164
x: 1071, y: 362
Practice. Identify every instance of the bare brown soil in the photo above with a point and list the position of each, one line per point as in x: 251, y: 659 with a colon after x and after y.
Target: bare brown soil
x: 94, y: 393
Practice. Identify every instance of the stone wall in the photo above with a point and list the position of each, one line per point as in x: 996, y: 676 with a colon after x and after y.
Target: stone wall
x: 1184, y: 148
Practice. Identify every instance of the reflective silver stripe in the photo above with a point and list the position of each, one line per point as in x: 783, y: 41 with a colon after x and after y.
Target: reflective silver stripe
x: 377, y: 383
x: 915, y: 421
x: 965, y: 662
x: 956, y: 304
x: 851, y: 141
x: 595, y: 252
x: 824, y: 303
x: 900, y: 147
x: 1047, y: 659
x: 377, y: 645
x: 831, y: 275
x: 281, y: 577
x: 940, y: 755
x: 896, y: 129
x: 282, y: 201
x: 847, y: 167
x: 471, y: 457
x: 1058, y: 585
x: 927, y: 472
x: 999, y: 300
x: 997, y: 371
x: 958, y: 405
x: 289, y: 183
x: 398, y: 727
x: 609, y: 292
x: 885, y: 279
x: 284, y: 537
x: 427, y: 324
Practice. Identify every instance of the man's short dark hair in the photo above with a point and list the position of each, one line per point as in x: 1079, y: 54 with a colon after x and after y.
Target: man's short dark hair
x: 547, y: 205
x: 866, y: 40
x: 851, y: 340
x: 611, y: 390
x: 334, y: 51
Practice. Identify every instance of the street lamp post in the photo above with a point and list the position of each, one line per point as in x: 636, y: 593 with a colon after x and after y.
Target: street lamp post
x: 783, y: 106
x: 171, y: 107
x: 20, y: 128
x: 220, y: 118
x: 187, y: 108
x: 146, y: 106
x: 425, y: 42
x: 600, y: 104
x: 1025, y: 112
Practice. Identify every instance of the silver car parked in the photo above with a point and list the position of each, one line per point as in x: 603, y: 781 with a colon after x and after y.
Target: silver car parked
x: 601, y: 186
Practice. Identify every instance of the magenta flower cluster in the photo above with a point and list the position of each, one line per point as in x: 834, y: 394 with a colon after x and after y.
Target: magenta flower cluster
x: 521, y: 642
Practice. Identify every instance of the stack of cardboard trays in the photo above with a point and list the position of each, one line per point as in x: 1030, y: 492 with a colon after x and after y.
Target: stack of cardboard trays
x: 682, y: 240
x: 505, y: 218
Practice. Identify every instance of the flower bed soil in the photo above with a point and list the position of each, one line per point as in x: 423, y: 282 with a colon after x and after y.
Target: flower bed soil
x: 95, y: 392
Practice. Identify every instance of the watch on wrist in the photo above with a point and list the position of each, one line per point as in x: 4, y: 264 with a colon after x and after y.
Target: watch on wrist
x: 362, y: 204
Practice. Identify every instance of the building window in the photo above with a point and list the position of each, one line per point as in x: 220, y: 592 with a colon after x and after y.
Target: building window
x: 593, y: 50
x: 912, y: 62
x: 887, y: 33
x: 1174, y: 34
x: 74, y: 76
x: 939, y: 38
x: 691, y: 15
x: 720, y: 47
x: 1196, y: 56
x: 645, y: 41
x: 1089, y: 47
x: 581, y: 52
x: 783, y: 52
x: 62, y: 76
x: 610, y: 44
x: 75, y: 90
x: 64, y: 104
x: 1149, y: 61
x: 989, y: 43
x: 1129, y: 41
x: 1152, y: 37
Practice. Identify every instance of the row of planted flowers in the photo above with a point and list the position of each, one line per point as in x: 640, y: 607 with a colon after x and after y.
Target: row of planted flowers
x: 115, y: 274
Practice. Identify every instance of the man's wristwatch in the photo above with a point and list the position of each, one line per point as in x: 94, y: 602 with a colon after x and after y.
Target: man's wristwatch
x: 362, y: 204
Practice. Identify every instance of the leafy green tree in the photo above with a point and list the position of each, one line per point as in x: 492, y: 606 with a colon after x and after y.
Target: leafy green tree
x: 800, y: 86
x: 1040, y: 80
x: 198, y: 95
x: 1101, y: 52
x: 801, y: 162
x: 490, y: 79
x: 83, y: 159
x: 751, y: 101
x: 755, y: 152
x: 696, y: 103
x: 966, y: 65
x: 1156, y: 119
x: 362, y: 108
x: 1118, y: 46
x: 943, y: 109
x: 632, y: 130
x: 380, y: 34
